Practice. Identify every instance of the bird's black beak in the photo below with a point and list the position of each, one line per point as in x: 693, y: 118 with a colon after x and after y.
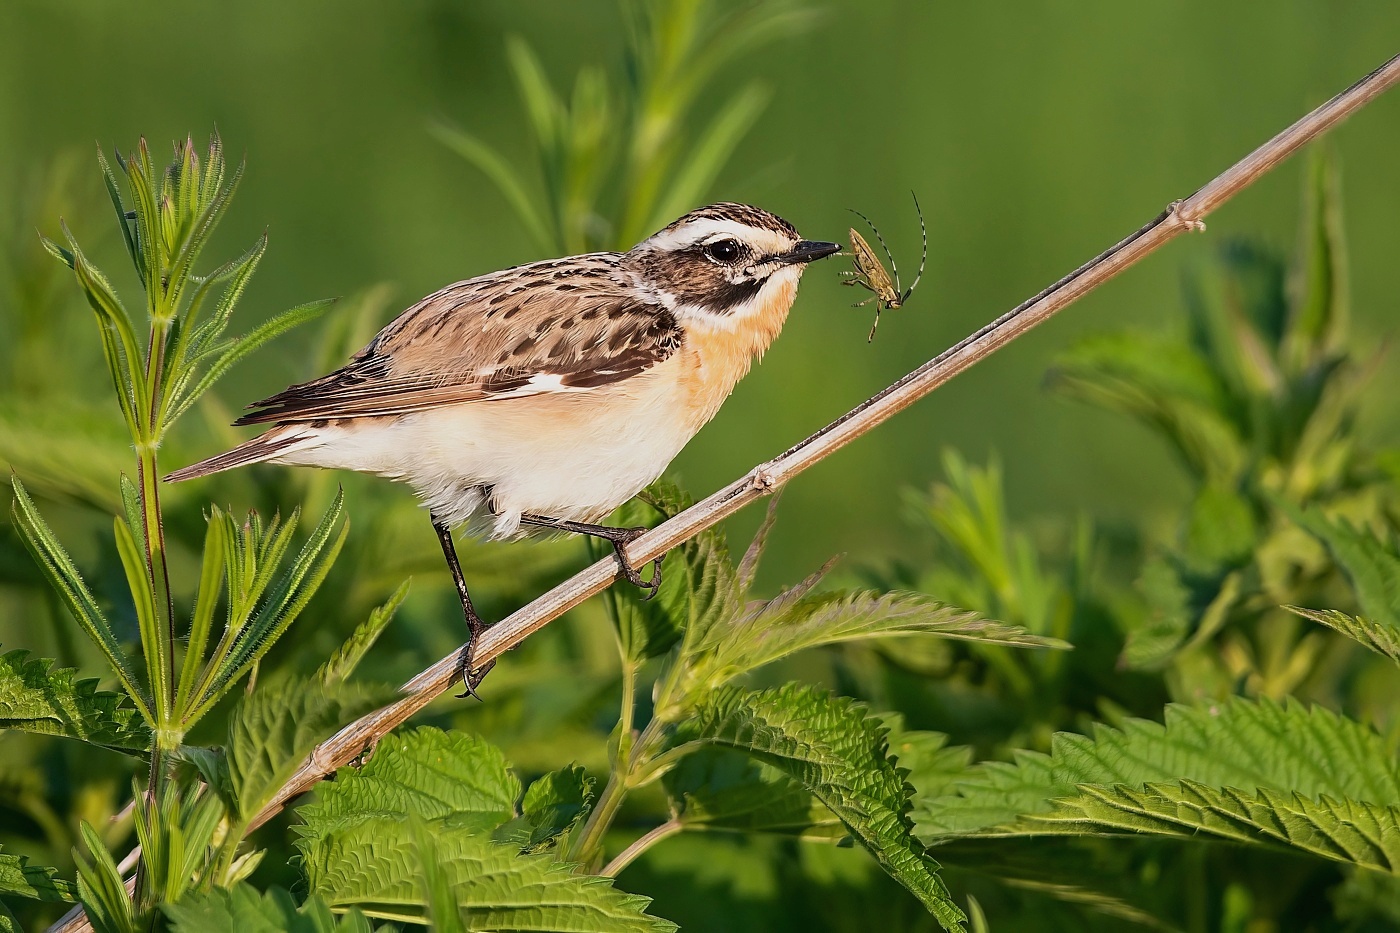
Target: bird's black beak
x: 808, y: 250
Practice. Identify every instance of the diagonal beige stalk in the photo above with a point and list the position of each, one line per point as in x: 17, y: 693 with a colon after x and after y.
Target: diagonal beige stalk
x: 1179, y: 217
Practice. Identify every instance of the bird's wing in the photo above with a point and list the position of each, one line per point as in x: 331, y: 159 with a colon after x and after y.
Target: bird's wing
x: 562, y: 326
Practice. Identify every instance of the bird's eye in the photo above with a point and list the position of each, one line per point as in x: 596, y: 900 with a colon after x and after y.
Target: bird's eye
x: 723, y: 250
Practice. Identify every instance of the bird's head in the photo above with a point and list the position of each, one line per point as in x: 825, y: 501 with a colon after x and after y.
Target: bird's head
x: 724, y: 262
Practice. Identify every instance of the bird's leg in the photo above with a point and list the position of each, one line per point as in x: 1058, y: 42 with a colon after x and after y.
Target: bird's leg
x: 471, y: 678
x: 619, y: 538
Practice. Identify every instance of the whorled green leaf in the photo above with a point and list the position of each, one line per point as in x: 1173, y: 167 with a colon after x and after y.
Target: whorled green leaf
x: 102, y: 890
x: 273, y: 729
x: 340, y: 665
x: 552, y: 806
x: 285, y: 597
x: 721, y: 788
x: 33, y: 882
x: 244, y: 909
x: 1242, y: 744
x: 838, y: 752
x: 450, y: 778
x: 1346, y: 830
x: 63, y: 576
x: 376, y: 866
x: 37, y: 697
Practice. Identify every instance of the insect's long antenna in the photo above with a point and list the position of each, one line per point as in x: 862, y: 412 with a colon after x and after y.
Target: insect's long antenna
x: 883, y: 245
x: 923, y: 231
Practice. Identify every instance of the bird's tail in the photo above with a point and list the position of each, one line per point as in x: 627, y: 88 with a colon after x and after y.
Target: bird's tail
x: 263, y: 447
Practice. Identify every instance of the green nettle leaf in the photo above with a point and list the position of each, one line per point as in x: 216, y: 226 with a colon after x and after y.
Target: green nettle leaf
x: 101, y: 889
x: 20, y: 879
x: 37, y: 697
x: 552, y: 806
x: 451, y: 778
x: 364, y: 838
x: 798, y: 619
x: 243, y: 908
x: 1246, y: 746
x: 376, y: 866
x: 273, y: 729
x: 720, y: 788
x: 835, y: 749
x: 1363, y: 834
x: 1374, y: 571
x: 934, y: 766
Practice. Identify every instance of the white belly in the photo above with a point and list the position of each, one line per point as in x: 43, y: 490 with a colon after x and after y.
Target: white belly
x: 574, y: 456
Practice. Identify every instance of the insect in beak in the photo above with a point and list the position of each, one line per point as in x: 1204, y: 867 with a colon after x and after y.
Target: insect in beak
x: 869, y: 272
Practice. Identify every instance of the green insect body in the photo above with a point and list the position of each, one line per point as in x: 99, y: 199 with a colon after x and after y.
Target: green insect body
x: 870, y: 273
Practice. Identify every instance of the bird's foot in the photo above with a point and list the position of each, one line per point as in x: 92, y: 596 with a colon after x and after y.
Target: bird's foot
x: 624, y: 537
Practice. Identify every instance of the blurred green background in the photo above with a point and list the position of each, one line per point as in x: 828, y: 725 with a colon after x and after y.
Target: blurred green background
x: 1034, y: 139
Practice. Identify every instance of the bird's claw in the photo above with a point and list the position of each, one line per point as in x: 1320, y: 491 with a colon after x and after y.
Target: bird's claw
x: 630, y: 572
x: 471, y: 678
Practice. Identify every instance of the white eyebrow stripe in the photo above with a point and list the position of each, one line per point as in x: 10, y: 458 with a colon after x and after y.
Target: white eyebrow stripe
x: 698, y: 231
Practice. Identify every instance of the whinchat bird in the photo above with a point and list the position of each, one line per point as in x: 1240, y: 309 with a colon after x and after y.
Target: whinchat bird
x: 546, y: 395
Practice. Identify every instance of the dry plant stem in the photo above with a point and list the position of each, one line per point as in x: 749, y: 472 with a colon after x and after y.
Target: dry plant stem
x: 1179, y: 217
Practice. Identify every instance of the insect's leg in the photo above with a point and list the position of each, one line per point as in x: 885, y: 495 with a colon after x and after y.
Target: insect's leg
x: 471, y: 678
x: 870, y: 338
x: 862, y: 304
x: 619, y: 538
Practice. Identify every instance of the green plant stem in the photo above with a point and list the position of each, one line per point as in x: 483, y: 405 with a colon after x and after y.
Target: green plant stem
x: 586, y: 847
x: 630, y: 854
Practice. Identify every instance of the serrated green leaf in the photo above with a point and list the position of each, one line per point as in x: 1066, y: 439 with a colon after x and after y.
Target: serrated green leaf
x: 273, y: 729
x: 552, y: 806
x: 33, y: 882
x: 798, y: 620
x: 243, y: 908
x: 37, y: 697
x: 339, y: 666
x: 447, y: 777
x: 720, y: 788
x: 1356, y: 832
x: 63, y: 576
x: 837, y: 751
x: 1379, y: 637
x: 1372, y: 566
x: 375, y: 866
x: 1242, y: 744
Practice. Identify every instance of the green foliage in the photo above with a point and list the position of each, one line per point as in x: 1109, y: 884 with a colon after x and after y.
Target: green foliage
x: 838, y: 753
x: 36, y: 697
x: 245, y: 909
x: 1243, y: 757
x: 552, y: 806
x: 436, y: 799
x: 20, y: 879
